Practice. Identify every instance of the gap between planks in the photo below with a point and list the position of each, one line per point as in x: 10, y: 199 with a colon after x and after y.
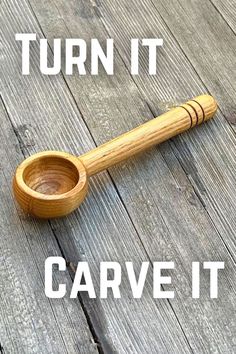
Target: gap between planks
x: 221, y: 14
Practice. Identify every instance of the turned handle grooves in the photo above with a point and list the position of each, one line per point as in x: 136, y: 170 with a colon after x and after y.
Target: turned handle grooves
x: 203, y: 113
x: 190, y: 116
x: 195, y: 111
x: 155, y: 131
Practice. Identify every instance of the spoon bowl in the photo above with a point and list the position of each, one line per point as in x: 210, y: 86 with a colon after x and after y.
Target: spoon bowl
x: 50, y: 184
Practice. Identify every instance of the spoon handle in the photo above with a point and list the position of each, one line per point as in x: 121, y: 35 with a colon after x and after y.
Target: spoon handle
x: 155, y: 131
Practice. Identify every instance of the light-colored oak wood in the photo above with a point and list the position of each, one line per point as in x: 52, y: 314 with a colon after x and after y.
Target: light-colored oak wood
x: 52, y: 183
x: 156, y: 131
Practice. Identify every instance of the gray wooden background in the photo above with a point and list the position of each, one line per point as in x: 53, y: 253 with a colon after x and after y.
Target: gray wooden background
x: 177, y: 202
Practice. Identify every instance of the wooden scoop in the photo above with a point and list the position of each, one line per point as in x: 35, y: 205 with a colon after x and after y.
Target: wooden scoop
x: 52, y: 183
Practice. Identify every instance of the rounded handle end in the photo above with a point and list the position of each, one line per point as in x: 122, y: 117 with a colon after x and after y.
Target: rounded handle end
x: 200, y: 109
x: 208, y: 105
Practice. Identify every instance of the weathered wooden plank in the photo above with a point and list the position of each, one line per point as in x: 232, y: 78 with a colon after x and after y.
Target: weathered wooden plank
x: 227, y: 9
x: 45, y: 116
x: 171, y: 221
x: 30, y: 322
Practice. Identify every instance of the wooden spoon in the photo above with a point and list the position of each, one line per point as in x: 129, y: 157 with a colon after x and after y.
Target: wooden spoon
x: 52, y: 183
